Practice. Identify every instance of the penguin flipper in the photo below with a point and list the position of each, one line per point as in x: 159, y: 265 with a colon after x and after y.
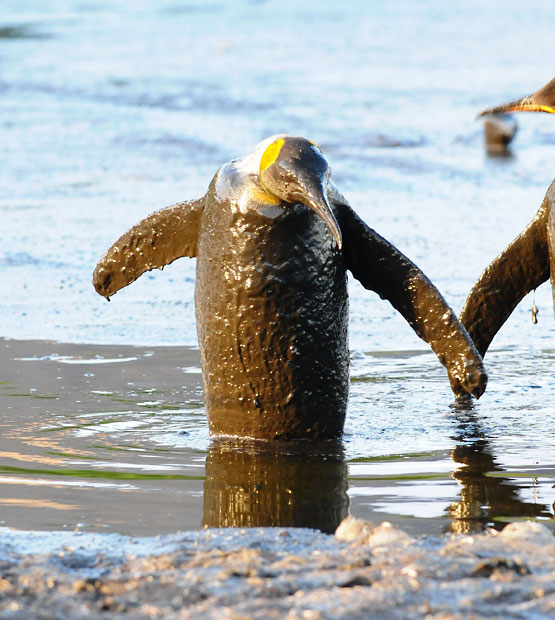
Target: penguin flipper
x: 380, y: 267
x: 519, y: 269
x: 154, y: 242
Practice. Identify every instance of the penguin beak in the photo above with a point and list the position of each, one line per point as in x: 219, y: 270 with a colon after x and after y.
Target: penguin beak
x: 526, y: 104
x: 316, y: 200
x: 541, y: 101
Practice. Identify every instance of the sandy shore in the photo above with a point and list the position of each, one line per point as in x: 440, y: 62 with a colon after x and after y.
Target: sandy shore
x: 361, y: 572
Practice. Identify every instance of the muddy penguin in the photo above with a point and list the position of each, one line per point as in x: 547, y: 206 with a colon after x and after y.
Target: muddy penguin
x: 525, y: 263
x: 273, y: 239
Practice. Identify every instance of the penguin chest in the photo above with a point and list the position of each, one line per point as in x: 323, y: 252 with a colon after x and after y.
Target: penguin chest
x: 271, y: 305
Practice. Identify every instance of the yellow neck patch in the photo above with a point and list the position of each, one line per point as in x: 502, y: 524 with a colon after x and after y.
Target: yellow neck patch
x: 271, y: 154
x: 264, y: 197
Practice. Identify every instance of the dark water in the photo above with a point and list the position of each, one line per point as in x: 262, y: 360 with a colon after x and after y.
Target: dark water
x: 111, y: 110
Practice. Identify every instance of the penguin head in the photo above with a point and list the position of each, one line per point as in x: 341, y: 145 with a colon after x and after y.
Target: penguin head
x: 295, y: 171
x: 542, y: 100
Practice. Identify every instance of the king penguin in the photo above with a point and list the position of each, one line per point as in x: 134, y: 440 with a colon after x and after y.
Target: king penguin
x: 274, y: 239
x: 526, y: 262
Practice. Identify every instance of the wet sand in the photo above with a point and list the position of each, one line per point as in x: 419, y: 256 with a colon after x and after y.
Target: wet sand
x: 362, y: 572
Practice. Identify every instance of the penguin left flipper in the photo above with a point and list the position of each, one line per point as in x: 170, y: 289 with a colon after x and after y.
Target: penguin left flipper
x: 520, y: 268
x: 153, y: 243
x: 380, y: 267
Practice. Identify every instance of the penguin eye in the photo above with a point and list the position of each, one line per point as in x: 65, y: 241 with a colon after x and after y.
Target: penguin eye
x: 271, y: 154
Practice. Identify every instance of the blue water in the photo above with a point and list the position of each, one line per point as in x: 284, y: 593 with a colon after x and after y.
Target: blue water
x: 110, y: 110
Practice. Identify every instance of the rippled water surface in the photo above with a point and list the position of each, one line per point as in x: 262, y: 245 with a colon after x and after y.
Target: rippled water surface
x: 111, y: 110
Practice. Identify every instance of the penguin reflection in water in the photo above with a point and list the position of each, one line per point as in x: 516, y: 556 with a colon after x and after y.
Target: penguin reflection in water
x: 526, y: 262
x: 273, y: 239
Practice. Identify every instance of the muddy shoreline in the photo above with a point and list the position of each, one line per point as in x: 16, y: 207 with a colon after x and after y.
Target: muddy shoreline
x: 364, y: 571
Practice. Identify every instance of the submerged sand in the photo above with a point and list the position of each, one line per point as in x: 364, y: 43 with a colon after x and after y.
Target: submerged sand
x: 364, y: 571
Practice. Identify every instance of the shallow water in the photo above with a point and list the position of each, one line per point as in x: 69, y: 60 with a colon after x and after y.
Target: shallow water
x: 111, y: 110
x: 114, y: 439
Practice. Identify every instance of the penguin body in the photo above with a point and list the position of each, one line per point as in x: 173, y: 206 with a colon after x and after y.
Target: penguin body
x: 499, y: 131
x: 271, y: 308
x: 527, y: 262
x: 273, y: 239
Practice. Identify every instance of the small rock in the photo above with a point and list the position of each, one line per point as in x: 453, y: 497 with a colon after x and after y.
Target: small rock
x: 352, y: 529
x: 530, y: 531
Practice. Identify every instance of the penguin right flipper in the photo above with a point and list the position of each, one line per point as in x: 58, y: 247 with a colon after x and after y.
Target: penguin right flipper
x: 154, y: 242
x: 380, y: 267
x: 519, y: 269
